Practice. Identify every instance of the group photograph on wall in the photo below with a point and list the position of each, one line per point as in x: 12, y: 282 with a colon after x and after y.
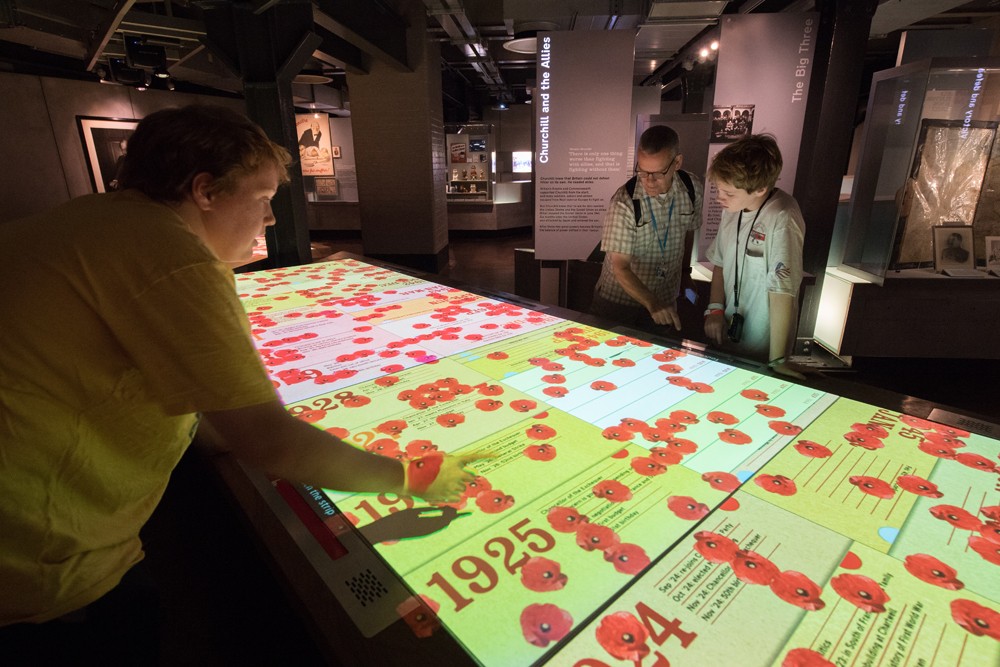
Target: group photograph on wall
x: 105, y: 142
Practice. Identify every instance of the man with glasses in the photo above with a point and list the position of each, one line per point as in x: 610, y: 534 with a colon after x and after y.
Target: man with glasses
x: 648, y: 246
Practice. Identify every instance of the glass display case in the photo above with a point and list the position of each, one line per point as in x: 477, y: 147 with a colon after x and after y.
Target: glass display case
x: 469, y: 152
x: 927, y: 162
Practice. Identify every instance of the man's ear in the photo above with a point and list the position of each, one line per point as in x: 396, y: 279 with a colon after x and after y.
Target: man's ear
x: 201, y: 190
x: 680, y: 160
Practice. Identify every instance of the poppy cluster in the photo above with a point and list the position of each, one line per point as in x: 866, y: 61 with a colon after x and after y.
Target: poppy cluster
x: 751, y: 567
x: 625, y: 557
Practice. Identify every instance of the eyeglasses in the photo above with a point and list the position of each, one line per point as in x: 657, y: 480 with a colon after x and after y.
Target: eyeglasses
x: 654, y: 175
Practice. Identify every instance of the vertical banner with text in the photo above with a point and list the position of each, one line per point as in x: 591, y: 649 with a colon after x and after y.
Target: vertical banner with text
x: 582, y: 125
x: 761, y: 86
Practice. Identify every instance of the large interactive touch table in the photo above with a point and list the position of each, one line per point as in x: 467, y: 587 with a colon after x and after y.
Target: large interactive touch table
x: 647, y: 505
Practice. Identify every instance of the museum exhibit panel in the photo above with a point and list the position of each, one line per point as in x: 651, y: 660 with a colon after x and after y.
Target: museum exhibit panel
x: 925, y: 198
x: 643, y: 502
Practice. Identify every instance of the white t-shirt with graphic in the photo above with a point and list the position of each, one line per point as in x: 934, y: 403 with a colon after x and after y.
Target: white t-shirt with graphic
x: 763, y: 256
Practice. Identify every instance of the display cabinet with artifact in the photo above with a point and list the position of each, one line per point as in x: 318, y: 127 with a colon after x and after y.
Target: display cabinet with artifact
x: 469, y: 163
x: 913, y: 278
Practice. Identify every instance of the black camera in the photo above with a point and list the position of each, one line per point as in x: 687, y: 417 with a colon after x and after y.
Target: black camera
x: 735, y: 332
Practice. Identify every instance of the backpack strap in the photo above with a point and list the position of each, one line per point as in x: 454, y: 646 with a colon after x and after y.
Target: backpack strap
x: 630, y: 189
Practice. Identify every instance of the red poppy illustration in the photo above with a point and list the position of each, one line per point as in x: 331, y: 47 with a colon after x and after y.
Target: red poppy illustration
x: 647, y: 466
x: 542, y: 575
x: 754, y: 394
x: 422, y: 619
x: 613, y: 490
x: 655, y: 434
x: 627, y: 558
x: 338, y: 431
x: 864, y: 440
x: 797, y: 589
x: 873, y: 430
x: 975, y: 618
x: 477, y: 486
x: 861, y: 591
x: 490, y: 390
x: 715, y: 548
x: 623, y: 636
x: 991, y: 531
x: 565, y: 519
x: 603, y: 385
x: 553, y: 366
x: 494, y: 501
x: 950, y: 430
x: 988, y: 549
x: 543, y: 452
x: 384, y: 447
x: 686, y: 507
x: 555, y: 392
x: 916, y: 422
x: 684, y: 417
x: 554, y: 378
x: 957, y: 517
x: 723, y: 481
x: 538, y: 361
x: 944, y: 440
x: 918, y: 485
x: 679, y: 380
x: 451, y: 420
x: 355, y: 401
x: 671, y: 425
x: 682, y: 445
x: 873, y: 486
x: 701, y: 388
x: 590, y: 536
x: 717, y: 417
x: 991, y: 512
x: 940, y: 451
x: 623, y: 363
x: 769, y: 410
x: 545, y: 623
x: 812, y: 449
x: 779, y: 484
x: 667, y: 457
x: 784, y: 428
x: 420, y: 447
x: 540, y: 432
x: 489, y: 405
x: 496, y: 355
x: 976, y: 461
x: 523, y: 405
x: 633, y: 424
x: 805, y: 657
x: 752, y: 568
x: 391, y: 427
x: 734, y: 437
x: 928, y: 568
x: 617, y: 433
x: 666, y: 355
x: 671, y: 368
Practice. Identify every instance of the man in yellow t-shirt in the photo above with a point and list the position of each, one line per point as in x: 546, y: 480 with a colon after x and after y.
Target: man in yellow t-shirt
x: 113, y: 340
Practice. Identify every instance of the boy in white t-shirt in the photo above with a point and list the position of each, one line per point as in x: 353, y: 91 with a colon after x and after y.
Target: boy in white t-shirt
x: 757, y: 255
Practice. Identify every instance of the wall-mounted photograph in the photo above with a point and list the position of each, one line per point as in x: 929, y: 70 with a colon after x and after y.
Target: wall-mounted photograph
x: 105, y: 143
x: 953, y: 247
x: 730, y: 123
x: 458, y: 151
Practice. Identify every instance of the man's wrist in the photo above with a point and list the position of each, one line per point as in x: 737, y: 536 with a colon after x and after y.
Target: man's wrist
x: 715, y: 309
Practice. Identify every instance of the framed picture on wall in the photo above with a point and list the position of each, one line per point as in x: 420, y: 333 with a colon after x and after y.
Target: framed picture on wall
x: 993, y: 254
x: 458, y: 151
x: 953, y: 248
x: 105, y: 142
x: 335, y: 151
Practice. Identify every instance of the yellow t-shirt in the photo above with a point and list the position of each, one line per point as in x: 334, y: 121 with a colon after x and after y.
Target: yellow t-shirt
x: 118, y: 325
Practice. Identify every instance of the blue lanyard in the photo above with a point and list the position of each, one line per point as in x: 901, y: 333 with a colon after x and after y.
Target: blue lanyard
x: 670, y: 215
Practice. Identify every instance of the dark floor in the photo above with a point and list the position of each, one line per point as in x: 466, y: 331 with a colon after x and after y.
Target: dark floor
x: 225, y: 608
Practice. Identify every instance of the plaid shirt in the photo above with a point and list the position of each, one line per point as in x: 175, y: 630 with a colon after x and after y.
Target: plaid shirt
x: 657, y: 251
